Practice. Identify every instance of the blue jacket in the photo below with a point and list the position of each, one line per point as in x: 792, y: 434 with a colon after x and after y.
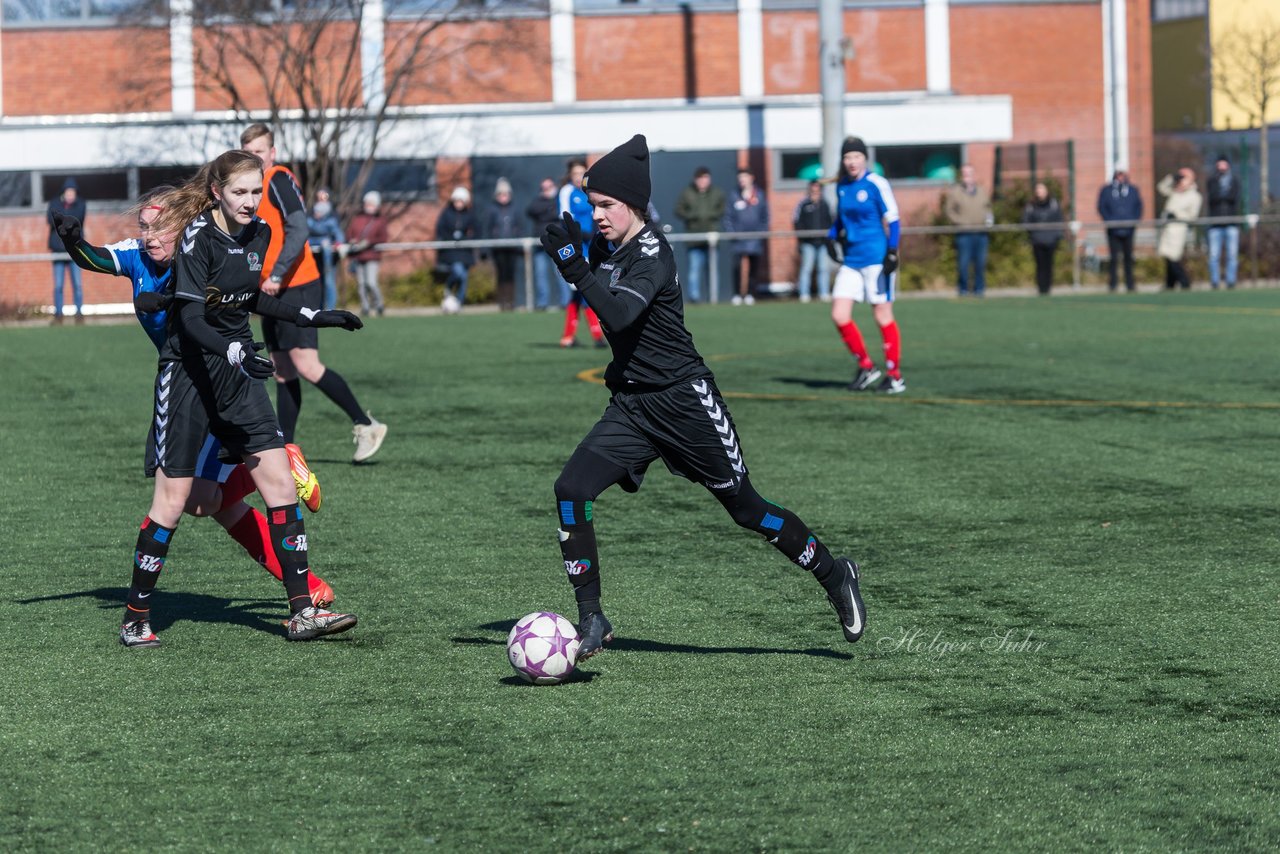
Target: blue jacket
x: 1119, y: 201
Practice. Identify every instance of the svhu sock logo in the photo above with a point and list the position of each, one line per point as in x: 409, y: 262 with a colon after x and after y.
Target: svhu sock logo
x: 295, y: 544
x: 577, y: 567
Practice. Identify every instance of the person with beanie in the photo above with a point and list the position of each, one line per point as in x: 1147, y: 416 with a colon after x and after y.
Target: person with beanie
x: 503, y: 223
x: 664, y: 402
x: 68, y: 204
x: 368, y: 229
x: 457, y: 222
x: 864, y: 242
x: 573, y: 201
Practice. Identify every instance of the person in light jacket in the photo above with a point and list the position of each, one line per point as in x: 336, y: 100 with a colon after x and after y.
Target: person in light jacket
x: 1182, y: 205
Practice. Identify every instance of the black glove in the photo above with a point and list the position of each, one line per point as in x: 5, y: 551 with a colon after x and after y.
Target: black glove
x: 68, y: 228
x: 252, y: 365
x: 563, y: 242
x: 329, y: 319
x: 835, y: 249
x: 890, y: 262
x: 148, y: 302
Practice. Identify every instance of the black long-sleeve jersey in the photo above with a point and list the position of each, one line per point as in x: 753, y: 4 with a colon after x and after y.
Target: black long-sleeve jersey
x: 635, y: 291
x: 221, y: 272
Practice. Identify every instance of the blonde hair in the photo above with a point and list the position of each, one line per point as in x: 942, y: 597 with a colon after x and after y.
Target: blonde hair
x: 159, y: 198
x: 256, y: 131
x: 188, y: 201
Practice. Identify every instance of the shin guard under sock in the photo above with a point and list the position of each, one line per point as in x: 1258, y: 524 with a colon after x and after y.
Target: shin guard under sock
x: 289, y: 542
x: 581, y: 558
x: 892, y: 349
x: 334, y: 387
x: 288, y: 405
x: 853, y: 340
x: 148, y: 560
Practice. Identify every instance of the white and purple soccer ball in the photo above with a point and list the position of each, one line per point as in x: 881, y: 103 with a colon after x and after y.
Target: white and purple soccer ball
x: 543, y: 648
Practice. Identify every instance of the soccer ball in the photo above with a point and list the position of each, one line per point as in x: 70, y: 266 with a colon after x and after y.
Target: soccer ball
x: 450, y: 304
x: 543, y: 648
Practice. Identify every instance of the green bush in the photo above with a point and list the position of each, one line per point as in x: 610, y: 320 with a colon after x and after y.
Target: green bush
x: 424, y: 287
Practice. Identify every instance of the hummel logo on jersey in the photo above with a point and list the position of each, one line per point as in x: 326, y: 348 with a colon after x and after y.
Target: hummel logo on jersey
x: 189, y: 236
x: 235, y: 250
x: 650, y: 244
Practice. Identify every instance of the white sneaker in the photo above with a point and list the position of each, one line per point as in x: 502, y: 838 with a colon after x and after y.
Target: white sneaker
x: 368, y: 439
x: 737, y: 300
x: 748, y: 300
x: 805, y: 298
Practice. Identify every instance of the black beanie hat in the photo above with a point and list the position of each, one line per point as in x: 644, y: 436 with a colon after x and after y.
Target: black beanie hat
x: 623, y: 173
x: 853, y: 143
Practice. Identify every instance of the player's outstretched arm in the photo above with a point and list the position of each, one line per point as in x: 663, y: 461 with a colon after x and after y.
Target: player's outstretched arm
x: 243, y: 356
x: 268, y: 306
x: 95, y: 259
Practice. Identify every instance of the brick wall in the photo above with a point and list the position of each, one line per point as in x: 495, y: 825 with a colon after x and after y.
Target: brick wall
x: 622, y: 57
x: 506, y: 61
x: 80, y: 71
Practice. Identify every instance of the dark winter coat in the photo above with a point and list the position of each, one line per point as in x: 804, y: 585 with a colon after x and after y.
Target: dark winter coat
x: 812, y: 216
x: 501, y: 222
x: 701, y: 211
x: 1224, y: 194
x: 541, y: 212
x: 1119, y: 201
x: 747, y: 216
x: 1040, y: 213
x: 455, y: 224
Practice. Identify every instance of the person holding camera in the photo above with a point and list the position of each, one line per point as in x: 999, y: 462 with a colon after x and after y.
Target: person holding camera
x: 1181, y: 207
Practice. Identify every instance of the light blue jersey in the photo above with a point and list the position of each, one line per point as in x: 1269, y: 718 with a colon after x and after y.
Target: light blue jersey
x: 147, y: 277
x: 574, y: 202
x: 863, y: 210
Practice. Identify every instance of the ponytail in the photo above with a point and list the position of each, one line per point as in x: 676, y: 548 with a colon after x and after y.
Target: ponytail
x: 188, y: 200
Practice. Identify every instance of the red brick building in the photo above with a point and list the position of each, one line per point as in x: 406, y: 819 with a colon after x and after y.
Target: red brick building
x: 929, y: 82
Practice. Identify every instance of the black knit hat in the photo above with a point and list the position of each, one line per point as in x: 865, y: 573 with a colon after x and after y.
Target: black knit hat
x: 853, y: 143
x: 623, y: 173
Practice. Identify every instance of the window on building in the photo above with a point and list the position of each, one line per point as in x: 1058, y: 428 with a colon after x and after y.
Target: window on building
x: 918, y: 162
x: 110, y: 186
x: 15, y: 189
x: 399, y: 179
x: 150, y: 177
x: 19, y: 12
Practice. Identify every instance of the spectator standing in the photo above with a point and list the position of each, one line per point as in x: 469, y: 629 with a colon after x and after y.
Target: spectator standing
x: 749, y: 212
x: 457, y: 222
x: 1182, y: 206
x: 969, y: 207
x: 1120, y: 201
x: 326, y: 238
x: 1043, y: 210
x: 368, y: 229
x: 503, y: 223
x: 69, y: 203
x: 701, y: 206
x: 1224, y: 201
x: 813, y: 214
x: 542, y: 211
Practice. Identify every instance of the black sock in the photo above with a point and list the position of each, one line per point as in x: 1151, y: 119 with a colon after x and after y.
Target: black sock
x: 148, y: 560
x: 783, y: 529
x: 581, y: 558
x: 289, y: 539
x: 336, y: 389
x: 288, y: 404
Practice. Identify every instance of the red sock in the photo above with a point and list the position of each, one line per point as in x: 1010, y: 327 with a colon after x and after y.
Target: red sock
x: 570, y: 320
x: 593, y: 324
x: 252, y: 533
x: 892, y: 349
x: 853, y: 340
x: 237, y: 487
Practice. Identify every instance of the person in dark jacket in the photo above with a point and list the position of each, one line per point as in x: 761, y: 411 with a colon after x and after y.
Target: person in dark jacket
x: 1224, y: 201
x: 663, y: 401
x: 813, y: 214
x: 1043, y: 210
x: 1120, y: 201
x: 456, y: 222
x: 701, y: 205
x: 326, y: 238
x: 368, y: 229
x: 749, y: 212
x: 502, y: 223
x: 68, y: 204
x: 542, y: 211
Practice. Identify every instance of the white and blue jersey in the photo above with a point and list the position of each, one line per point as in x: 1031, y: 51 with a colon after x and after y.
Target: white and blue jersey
x: 574, y: 202
x: 863, y: 209
x: 147, y: 277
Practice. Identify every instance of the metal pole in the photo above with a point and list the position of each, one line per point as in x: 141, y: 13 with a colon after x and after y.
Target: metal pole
x: 832, y: 49
x: 527, y: 246
x: 1075, y: 254
x: 713, y: 267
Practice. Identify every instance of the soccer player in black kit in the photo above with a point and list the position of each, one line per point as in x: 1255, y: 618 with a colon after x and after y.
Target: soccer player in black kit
x: 211, y: 381
x: 664, y: 402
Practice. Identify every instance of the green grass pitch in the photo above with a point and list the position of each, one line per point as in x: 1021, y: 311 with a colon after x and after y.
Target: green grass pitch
x: 1068, y: 533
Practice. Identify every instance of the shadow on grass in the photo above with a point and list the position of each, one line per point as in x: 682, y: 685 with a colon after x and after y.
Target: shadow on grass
x: 639, y: 645
x: 261, y: 615
x: 812, y: 383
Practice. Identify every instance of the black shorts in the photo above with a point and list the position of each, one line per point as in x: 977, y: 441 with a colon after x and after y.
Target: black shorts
x: 196, y: 398
x: 687, y: 425
x: 281, y: 335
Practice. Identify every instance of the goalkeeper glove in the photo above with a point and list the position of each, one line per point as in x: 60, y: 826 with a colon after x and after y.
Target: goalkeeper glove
x: 68, y: 228
x: 890, y: 262
x: 252, y: 365
x: 148, y: 302
x: 835, y: 249
x: 328, y: 319
x: 563, y: 242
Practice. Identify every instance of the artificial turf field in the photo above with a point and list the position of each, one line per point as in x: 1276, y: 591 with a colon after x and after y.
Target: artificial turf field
x: 1068, y: 529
